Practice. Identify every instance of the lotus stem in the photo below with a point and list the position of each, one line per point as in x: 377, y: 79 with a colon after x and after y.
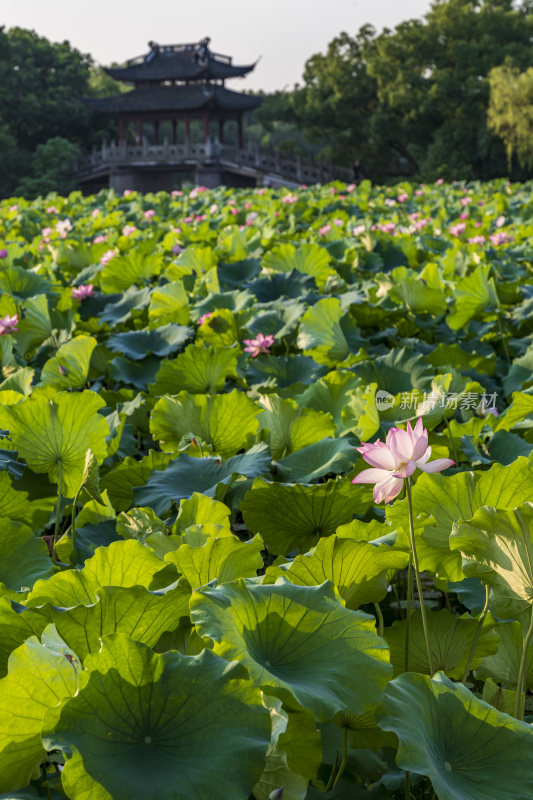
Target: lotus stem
x: 344, y: 760
x: 408, y: 610
x: 73, y: 521
x: 379, y: 616
x: 407, y: 786
x: 58, y: 507
x: 417, y: 576
x: 478, y: 634
x: 521, y: 683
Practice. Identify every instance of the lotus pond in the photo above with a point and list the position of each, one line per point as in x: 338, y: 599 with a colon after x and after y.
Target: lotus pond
x: 196, y: 598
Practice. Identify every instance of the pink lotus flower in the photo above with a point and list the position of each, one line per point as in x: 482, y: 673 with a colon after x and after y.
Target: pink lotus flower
x: 8, y: 324
x: 500, y: 221
x: 358, y: 229
x: 95, y: 212
x: 261, y: 344
x: 439, y: 182
x: 403, y: 197
x: 52, y: 210
x: 465, y: 200
x: 479, y: 239
x: 127, y: 230
x: 108, y: 255
x: 457, y: 229
x: 397, y: 459
x: 204, y: 317
x: 3, y: 253
x: 149, y: 214
x: 324, y: 230
x: 464, y: 215
x: 82, y: 291
x: 176, y: 193
x: 102, y: 237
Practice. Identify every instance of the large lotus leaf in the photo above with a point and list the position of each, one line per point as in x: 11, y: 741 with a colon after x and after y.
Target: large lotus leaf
x: 133, y: 611
x: 16, y: 625
x: 504, y: 664
x: 518, y: 414
x: 40, y: 677
x: 291, y: 284
x: 280, y: 321
x: 418, y: 297
x: 468, y: 750
x: 311, y: 259
x: 359, y: 570
x: 297, y: 642
x: 135, y: 373
x: 23, y: 283
x: 199, y: 509
x: 321, y: 335
x: 219, y: 330
x: 129, y: 473
x: 451, y: 641
x: 451, y: 355
x: 294, y: 517
x: 36, y: 326
x: 173, y: 712
x: 520, y: 373
x: 193, y: 261
x: 235, y: 274
x: 291, y: 428
x: 444, y: 499
x: 283, y: 371
x: 16, y: 505
x: 227, y: 422
x: 123, y: 563
x: 58, y: 433
x: 326, y: 457
x: 330, y: 394
x: 224, y: 558
x: 158, y: 341
x: 401, y: 370
x: 123, y: 271
x: 186, y: 475
x: 169, y: 303
x: 131, y: 300
x: 360, y: 415
x: 24, y: 557
x: 498, y: 547
x: 198, y: 370
x: 473, y: 295
x: 69, y: 368
x: 504, y: 447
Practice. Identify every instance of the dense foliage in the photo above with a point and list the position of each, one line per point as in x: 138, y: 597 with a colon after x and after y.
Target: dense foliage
x: 195, y: 600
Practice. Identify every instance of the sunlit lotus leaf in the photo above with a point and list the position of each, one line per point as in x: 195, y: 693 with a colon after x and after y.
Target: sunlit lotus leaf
x: 227, y: 422
x: 24, y: 557
x: 40, y: 677
x: 16, y: 625
x: 219, y: 330
x: 124, y: 270
x: 169, y: 303
x: 468, y: 750
x: 171, y: 711
x: 321, y: 335
x: 473, y: 295
x: 23, y: 283
x: 326, y: 457
x: 330, y: 394
x: 359, y: 570
x: 498, y: 547
x: 36, y: 325
x: 290, y: 428
x: 69, y: 368
x: 224, y: 558
x: 128, y: 302
x: 311, y: 259
x: 122, y: 478
x: 199, y: 509
x: 451, y: 642
x: 504, y: 664
x: 294, y: 517
x: 297, y: 642
x: 49, y: 434
x: 15, y: 505
x: 198, y: 370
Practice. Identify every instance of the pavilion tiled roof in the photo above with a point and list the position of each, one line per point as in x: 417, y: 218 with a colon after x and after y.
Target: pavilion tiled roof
x: 175, y: 98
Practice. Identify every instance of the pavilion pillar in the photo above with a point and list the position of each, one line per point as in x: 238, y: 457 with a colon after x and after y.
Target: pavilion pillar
x: 174, y: 131
x: 139, y: 130
x: 187, y: 128
x: 221, y: 131
x: 121, y: 131
x: 156, y: 131
x: 239, y: 133
x: 206, y: 126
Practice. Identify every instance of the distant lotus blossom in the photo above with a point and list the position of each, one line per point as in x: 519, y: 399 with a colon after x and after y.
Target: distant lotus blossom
x: 420, y: 223
x: 247, y: 206
x: 465, y: 201
x: 46, y: 233
x: 457, y: 229
x: 402, y: 197
x: 52, y: 210
x: 149, y: 213
x: 333, y: 190
x: 500, y: 238
x: 358, y: 229
x: 342, y: 197
x: 108, y: 255
x: 500, y: 221
x: 439, y: 182
x: 324, y: 230
x: 188, y: 220
x: 387, y: 227
x: 261, y: 191
x: 289, y: 199
x: 3, y: 253
x: 196, y: 191
x: 213, y: 208
x: 8, y: 324
x: 261, y: 344
x: 204, y: 317
x: 390, y: 202
x: 82, y: 291
x: 13, y: 208
x: 176, y: 193
x: 338, y: 222
x: 127, y: 192
x: 350, y: 187
x: 95, y: 212
x: 251, y: 217
x: 463, y: 215
x: 479, y: 239
x: 419, y: 192
x: 127, y: 230
x: 176, y: 230
x: 102, y: 237
x: 200, y: 217
x: 234, y: 211
x: 177, y: 249
x: 414, y: 216
x: 63, y: 226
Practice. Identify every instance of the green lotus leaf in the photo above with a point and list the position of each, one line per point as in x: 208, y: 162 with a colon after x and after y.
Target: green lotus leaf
x: 330, y: 394
x: 198, y: 370
x: 519, y: 375
x: 451, y: 642
x: 291, y: 428
x: 40, y: 677
x: 498, y: 547
x: 169, y: 303
x: 417, y: 296
x: 321, y: 335
x: 24, y: 557
x: 36, y: 325
x: 16, y: 625
x: 444, y: 499
x: 234, y: 275
x: 131, y: 300
x: 16, y: 505
x: 134, y: 373
x: 186, y: 475
x: 283, y: 371
x: 297, y: 643
x: 451, y: 355
x: 439, y: 722
x: 193, y: 260
x: 140, y: 615
x: 124, y: 270
x: 122, y: 478
x: 311, y: 259
x: 326, y: 457
x: 504, y: 447
x: 401, y: 370
x: 281, y: 321
x: 171, y: 711
x: 69, y: 368
x: 225, y: 558
x: 360, y: 571
x: 360, y: 415
x: 56, y: 434
x: 219, y: 330
x: 123, y: 563
x: 295, y: 517
x: 473, y: 295
x: 227, y: 422
x: 158, y: 341
x: 199, y: 509
x: 23, y: 283
x: 140, y: 523
x: 518, y: 414
x: 504, y: 664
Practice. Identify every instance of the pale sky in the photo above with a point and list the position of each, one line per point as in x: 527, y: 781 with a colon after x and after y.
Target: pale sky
x: 283, y: 32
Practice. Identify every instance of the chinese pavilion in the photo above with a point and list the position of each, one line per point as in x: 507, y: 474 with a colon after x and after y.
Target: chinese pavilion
x: 177, y: 83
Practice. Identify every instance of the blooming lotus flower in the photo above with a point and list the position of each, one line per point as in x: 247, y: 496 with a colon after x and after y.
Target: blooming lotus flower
x: 149, y: 214
x: 3, y: 253
x: 500, y: 221
x: 261, y: 344
x: 396, y: 459
x: 83, y: 291
x: 204, y: 317
x: 402, y: 197
x: 324, y: 230
x: 127, y: 230
x: 108, y: 255
x: 102, y: 237
x: 8, y: 324
x: 52, y: 210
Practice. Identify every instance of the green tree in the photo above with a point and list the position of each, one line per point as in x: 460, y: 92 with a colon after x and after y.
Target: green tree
x: 51, y: 169
x: 511, y: 112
